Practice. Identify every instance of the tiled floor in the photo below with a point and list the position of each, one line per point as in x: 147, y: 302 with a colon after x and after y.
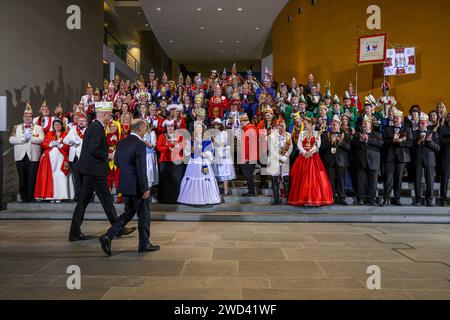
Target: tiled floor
x: 228, y: 261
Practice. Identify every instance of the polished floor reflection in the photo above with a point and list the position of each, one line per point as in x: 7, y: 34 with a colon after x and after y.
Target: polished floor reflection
x: 228, y: 261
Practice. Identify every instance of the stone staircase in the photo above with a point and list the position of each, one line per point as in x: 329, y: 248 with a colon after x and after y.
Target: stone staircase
x: 239, y: 208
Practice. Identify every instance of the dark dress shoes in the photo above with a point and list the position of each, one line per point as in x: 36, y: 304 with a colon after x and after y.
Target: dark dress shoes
x: 385, y: 203
x: 105, y: 242
x: 359, y: 202
x: 397, y: 203
x: 126, y: 231
x: 80, y: 237
x: 149, y: 248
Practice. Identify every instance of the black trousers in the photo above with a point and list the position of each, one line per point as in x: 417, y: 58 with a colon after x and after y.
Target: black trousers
x: 133, y: 205
x: 393, y: 179
x: 366, y: 184
x: 77, y: 179
x: 336, y: 175
x: 429, y: 180
x: 445, y: 177
x: 248, y: 171
x: 100, y: 186
x: 27, y: 171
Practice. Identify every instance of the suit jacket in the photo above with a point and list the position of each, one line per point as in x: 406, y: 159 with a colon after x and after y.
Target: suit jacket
x: 398, y: 152
x: 367, y: 155
x: 425, y: 153
x: 31, y: 148
x: 340, y: 158
x: 94, y: 154
x: 131, y: 159
x: 444, y: 139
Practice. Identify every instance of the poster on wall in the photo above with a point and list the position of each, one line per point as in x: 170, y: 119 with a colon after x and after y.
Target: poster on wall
x: 372, y: 49
x: 400, y: 61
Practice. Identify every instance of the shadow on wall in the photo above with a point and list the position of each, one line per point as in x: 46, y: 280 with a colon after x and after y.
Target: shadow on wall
x: 54, y: 92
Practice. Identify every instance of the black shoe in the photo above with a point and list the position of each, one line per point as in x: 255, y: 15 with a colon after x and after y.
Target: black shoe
x: 429, y: 203
x: 342, y: 202
x: 80, y: 237
x: 105, y: 242
x: 417, y: 203
x: 126, y: 231
x: 371, y: 203
x: 397, y: 203
x: 149, y: 248
x: 443, y: 202
x: 359, y: 202
x: 386, y: 203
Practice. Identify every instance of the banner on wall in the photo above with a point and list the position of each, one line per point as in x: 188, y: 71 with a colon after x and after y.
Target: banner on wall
x: 400, y: 61
x: 372, y: 49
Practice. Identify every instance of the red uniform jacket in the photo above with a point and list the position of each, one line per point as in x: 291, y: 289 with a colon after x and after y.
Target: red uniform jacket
x: 216, y: 108
x: 163, y: 146
x: 158, y: 128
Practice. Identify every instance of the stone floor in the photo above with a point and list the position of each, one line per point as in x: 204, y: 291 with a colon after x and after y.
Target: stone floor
x: 201, y: 260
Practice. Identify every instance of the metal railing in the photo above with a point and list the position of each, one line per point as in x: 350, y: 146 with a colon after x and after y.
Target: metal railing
x: 120, y: 50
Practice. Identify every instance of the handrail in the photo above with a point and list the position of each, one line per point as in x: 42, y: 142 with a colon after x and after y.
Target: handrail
x: 119, y: 49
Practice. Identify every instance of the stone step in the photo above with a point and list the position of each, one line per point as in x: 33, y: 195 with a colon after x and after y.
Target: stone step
x: 313, y: 215
x: 236, y: 204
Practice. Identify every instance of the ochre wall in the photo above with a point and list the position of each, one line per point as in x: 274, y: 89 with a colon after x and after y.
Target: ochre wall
x: 322, y: 41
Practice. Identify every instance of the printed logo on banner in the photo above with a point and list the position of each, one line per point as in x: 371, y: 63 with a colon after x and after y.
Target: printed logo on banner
x: 372, y: 48
x: 400, y: 61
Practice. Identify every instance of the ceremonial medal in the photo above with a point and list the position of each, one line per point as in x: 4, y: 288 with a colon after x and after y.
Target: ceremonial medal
x: 333, y: 150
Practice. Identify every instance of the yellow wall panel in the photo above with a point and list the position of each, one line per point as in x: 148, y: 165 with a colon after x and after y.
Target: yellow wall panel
x: 322, y: 41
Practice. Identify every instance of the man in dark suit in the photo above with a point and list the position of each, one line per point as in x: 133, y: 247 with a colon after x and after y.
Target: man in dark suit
x: 367, y: 146
x: 131, y: 159
x: 398, y: 140
x: 334, y: 153
x: 426, y: 146
x: 93, y: 167
x: 444, y: 139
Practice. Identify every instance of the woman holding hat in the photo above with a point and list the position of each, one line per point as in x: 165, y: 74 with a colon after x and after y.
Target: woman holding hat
x: 309, y: 180
x: 53, y: 180
x: 171, y: 165
x: 175, y: 115
x: 199, y: 186
x: 223, y: 166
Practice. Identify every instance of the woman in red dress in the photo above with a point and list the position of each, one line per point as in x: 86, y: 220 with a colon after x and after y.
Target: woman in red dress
x: 309, y: 181
x: 54, y: 182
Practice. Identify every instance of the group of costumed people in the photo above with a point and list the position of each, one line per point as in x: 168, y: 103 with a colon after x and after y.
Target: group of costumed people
x: 300, y: 139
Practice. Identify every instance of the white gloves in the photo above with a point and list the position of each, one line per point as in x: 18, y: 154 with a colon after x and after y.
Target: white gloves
x: 55, y: 144
x: 283, y: 159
